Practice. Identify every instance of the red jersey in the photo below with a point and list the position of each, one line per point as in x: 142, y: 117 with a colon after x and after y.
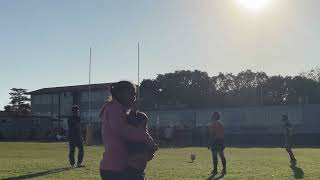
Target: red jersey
x: 216, y: 130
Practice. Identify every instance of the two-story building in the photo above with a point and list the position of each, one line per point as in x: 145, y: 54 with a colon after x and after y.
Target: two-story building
x: 56, y: 102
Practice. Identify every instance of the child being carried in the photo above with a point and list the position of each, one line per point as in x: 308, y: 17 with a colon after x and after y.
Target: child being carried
x: 139, y: 153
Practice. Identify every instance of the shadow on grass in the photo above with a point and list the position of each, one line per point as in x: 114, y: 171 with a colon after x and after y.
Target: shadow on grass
x: 212, y: 177
x: 43, y: 173
x: 297, y: 172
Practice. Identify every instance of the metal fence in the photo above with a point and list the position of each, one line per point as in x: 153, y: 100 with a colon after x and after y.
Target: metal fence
x: 241, y: 120
x: 259, y: 125
x: 247, y: 126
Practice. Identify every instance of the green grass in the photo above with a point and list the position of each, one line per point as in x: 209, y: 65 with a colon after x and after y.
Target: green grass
x: 49, y: 161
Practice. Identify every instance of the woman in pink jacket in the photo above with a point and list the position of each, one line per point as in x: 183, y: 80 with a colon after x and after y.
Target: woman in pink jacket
x: 116, y: 132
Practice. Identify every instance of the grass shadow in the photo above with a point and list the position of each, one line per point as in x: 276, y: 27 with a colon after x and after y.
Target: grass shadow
x: 297, y: 172
x: 43, y: 173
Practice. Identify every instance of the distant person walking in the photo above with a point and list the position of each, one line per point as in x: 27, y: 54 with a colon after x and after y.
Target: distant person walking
x: 216, y: 143
x: 75, y: 137
x: 287, y: 129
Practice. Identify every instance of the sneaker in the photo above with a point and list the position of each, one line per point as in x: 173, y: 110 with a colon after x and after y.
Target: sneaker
x: 293, y: 162
x: 79, y: 166
x: 214, y: 172
x: 223, y: 172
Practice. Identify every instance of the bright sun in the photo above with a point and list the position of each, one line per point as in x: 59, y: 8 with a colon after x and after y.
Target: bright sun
x: 254, y: 5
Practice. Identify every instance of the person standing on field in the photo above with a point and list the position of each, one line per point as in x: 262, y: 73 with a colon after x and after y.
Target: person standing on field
x: 216, y: 143
x: 287, y: 129
x: 75, y: 137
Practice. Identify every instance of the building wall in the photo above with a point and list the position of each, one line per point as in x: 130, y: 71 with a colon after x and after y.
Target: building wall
x: 45, y: 105
x: 24, y: 128
x: 48, y: 104
x: 98, y: 98
x: 66, y: 103
x: 311, y: 118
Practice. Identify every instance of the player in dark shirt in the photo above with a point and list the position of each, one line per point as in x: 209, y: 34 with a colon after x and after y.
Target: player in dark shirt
x: 287, y: 128
x: 75, y: 137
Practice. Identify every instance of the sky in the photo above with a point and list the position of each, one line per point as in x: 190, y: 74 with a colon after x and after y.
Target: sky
x: 46, y: 43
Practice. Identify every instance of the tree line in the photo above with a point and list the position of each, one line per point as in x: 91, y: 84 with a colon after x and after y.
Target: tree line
x: 196, y: 89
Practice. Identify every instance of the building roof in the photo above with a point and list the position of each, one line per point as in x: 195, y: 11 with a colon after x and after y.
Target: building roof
x: 70, y: 88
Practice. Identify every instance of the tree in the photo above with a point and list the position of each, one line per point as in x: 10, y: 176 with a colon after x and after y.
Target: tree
x: 276, y: 90
x: 313, y: 74
x: 248, y: 86
x: 303, y: 90
x: 225, y: 83
x: 149, y: 93
x: 19, y: 101
x: 180, y: 88
x: 7, y: 108
x: 195, y: 89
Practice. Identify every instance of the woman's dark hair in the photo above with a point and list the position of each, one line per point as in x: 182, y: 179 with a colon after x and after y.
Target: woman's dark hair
x: 120, y: 87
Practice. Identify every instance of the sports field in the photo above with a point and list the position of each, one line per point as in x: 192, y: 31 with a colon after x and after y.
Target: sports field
x: 49, y: 161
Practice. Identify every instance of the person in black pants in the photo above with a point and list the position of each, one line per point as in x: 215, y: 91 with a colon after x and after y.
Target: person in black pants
x: 75, y: 137
x: 287, y: 126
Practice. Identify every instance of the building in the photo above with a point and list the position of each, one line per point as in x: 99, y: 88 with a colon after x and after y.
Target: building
x: 23, y: 127
x: 253, y: 125
x: 56, y: 102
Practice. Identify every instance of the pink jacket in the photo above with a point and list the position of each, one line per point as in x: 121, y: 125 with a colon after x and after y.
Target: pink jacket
x: 115, y: 133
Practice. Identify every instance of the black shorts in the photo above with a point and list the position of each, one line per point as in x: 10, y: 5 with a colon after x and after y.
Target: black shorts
x: 134, y: 174
x: 112, y: 175
x: 217, y: 145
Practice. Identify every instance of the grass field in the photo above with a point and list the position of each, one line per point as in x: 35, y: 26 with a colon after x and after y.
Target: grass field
x: 49, y: 161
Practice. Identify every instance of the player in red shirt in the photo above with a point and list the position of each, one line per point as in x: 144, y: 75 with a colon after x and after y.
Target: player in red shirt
x: 216, y: 142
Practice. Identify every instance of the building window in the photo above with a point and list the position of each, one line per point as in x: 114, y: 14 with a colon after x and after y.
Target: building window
x: 46, y: 99
x: 36, y: 121
x: 5, y: 121
x: 96, y: 95
x: 84, y: 115
x: 43, y: 99
x: 49, y: 99
x: 84, y: 96
x: 36, y: 99
x: 55, y: 99
x: 99, y: 95
x: 65, y: 94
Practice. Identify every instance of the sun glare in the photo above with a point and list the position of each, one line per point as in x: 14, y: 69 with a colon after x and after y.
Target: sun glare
x: 254, y: 5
